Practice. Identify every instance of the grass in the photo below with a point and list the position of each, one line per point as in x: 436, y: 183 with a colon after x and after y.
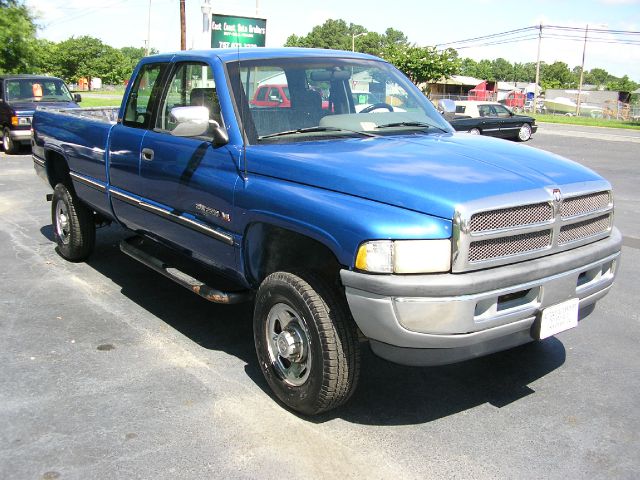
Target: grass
x: 100, y: 102
x: 587, y: 121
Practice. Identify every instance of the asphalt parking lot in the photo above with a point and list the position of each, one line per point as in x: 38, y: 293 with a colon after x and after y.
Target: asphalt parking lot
x: 111, y: 371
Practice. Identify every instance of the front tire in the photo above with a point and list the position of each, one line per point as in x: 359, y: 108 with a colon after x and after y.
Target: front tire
x: 524, y: 133
x: 74, y: 227
x: 8, y: 144
x: 306, y: 342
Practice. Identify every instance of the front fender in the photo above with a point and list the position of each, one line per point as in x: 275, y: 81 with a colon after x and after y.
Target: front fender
x: 338, y: 221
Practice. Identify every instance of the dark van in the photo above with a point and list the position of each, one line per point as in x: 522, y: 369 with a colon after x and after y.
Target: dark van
x: 20, y: 95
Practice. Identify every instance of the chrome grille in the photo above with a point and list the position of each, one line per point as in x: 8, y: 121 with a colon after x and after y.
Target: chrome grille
x: 537, y: 224
x: 507, y: 246
x: 511, y: 217
x: 583, y: 204
x: 584, y: 229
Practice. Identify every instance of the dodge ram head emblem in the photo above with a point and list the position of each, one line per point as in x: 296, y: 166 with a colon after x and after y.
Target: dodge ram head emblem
x: 557, y: 200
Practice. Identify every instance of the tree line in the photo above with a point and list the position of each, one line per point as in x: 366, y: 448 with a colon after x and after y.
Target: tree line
x: 88, y: 57
x: 71, y: 59
x: 426, y: 64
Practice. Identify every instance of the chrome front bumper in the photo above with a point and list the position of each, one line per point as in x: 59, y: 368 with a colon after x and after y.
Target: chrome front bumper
x: 444, y: 318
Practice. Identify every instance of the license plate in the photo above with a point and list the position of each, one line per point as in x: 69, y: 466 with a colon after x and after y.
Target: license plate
x: 558, y: 318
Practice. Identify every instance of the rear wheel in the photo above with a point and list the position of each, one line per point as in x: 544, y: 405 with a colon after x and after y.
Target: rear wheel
x: 524, y: 133
x: 474, y: 131
x: 73, y: 225
x: 306, y: 342
x: 8, y: 144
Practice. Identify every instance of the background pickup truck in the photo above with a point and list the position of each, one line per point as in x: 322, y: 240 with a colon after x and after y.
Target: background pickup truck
x: 346, y: 228
x: 20, y: 95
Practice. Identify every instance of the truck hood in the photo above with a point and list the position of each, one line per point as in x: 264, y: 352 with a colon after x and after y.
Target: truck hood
x: 27, y: 108
x: 425, y: 173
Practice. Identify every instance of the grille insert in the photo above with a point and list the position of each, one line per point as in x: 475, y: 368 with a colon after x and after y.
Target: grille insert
x: 583, y: 204
x: 585, y: 229
x: 508, y: 246
x: 511, y: 217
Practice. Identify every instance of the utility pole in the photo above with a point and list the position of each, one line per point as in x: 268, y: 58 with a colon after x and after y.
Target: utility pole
x: 584, y: 51
x: 535, y: 90
x: 183, y: 27
x: 148, y: 49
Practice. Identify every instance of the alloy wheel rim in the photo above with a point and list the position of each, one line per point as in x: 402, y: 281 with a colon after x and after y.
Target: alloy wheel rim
x: 63, y: 229
x: 288, y: 344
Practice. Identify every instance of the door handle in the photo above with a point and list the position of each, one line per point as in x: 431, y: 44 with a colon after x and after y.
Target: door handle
x: 147, y: 154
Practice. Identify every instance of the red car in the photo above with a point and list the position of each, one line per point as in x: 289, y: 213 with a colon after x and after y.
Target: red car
x: 278, y: 96
x: 272, y: 96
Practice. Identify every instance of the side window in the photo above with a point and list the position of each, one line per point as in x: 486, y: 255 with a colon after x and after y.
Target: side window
x: 484, y: 110
x: 274, y: 95
x: 191, y: 84
x: 501, y: 111
x: 143, y: 93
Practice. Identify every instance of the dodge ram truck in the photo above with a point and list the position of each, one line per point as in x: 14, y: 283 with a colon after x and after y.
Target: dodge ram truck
x: 379, y: 227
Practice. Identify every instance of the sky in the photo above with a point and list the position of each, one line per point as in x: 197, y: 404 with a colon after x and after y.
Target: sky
x: 125, y: 23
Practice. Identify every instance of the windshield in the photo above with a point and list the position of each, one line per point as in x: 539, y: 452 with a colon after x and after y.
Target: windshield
x: 38, y: 90
x: 328, y: 97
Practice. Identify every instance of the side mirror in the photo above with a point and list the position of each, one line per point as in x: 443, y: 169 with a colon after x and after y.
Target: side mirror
x: 194, y: 121
x: 77, y: 98
x: 447, y: 107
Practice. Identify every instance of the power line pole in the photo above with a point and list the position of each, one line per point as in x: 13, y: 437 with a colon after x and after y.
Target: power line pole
x: 148, y: 49
x: 183, y: 27
x: 584, y: 51
x: 535, y: 90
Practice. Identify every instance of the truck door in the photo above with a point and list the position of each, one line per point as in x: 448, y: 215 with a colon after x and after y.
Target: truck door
x: 186, y: 177
x: 125, y: 143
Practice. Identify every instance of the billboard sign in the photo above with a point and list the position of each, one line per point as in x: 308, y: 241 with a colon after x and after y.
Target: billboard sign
x: 233, y: 32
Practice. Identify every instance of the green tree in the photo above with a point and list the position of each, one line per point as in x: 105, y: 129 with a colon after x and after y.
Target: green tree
x: 624, y: 84
x: 338, y: 35
x: 17, y: 37
x: 87, y: 57
x: 468, y: 67
x: 597, y: 76
x: 502, y: 70
x: 423, y: 64
x: 556, y: 75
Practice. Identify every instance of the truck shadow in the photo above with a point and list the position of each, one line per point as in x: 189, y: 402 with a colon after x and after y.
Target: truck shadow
x: 390, y: 394
x: 387, y: 394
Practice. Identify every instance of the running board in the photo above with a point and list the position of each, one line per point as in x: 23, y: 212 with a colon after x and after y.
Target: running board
x: 131, y: 246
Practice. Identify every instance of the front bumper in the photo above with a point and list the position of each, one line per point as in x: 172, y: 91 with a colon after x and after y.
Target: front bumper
x: 445, y: 318
x: 21, y: 136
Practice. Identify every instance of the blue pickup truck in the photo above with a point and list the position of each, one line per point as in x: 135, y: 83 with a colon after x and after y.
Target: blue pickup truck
x: 345, y: 227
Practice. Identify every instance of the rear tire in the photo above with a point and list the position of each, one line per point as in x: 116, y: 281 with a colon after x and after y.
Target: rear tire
x: 306, y: 342
x: 74, y: 227
x: 474, y: 131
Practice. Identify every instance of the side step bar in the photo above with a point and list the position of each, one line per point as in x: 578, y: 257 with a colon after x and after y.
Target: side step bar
x: 130, y: 246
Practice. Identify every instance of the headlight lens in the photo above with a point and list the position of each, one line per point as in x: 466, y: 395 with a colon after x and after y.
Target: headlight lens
x: 20, y: 121
x: 405, y: 256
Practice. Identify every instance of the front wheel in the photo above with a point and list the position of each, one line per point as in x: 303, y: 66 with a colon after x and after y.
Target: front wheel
x: 8, y: 144
x: 524, y: 133
x: 474, y: 131
x: 74, y: 227
x: 306, y: 342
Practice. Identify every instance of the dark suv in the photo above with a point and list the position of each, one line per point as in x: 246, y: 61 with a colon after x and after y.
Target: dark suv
x: 20, y: 95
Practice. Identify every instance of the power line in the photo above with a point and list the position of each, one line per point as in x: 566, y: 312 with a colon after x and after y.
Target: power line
x: 512, y: 36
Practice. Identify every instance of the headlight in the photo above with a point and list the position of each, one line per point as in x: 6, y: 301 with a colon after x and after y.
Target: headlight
x: 16, y: 121
x: 404, y: 256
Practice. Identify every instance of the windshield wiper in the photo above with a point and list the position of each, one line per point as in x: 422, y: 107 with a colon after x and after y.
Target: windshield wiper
x: 314, y: 130
x: 411, y: 124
